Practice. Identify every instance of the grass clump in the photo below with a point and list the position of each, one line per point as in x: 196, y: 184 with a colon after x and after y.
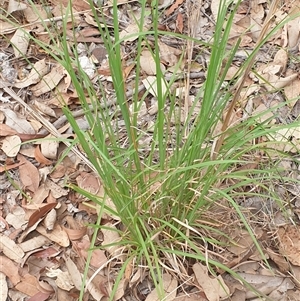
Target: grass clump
x: 164, y: 192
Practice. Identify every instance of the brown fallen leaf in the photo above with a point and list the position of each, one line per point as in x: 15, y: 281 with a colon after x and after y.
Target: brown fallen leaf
x: 50, y: 219
x: 8, y: 268
x: 27, y: 137
x: 74, y: 272
x: 280, y: 261
x: 6, y: 130
x: 11, y: 166
x: 15, y: 6
x: 35, y: 243
x: 44, y: 108
x: 29, y: 174
x: 39, y: 214
x: 75, y: 234
x: 170, y: 288
x: 49, y: 82
x: 57, y: 235
x: 173, y: 7
x: 111, y: 236
x: 39, y: 69
x: 214, y: 288
x: 63, y: 279
x: 49, y: 147
x: 191, y: 297
x: 4, y: 287
x: 88, y: 182
x: 40, y: 196
x: 11, y: 249
x: 179, y: 22
x: 28, y: 285
x: 11, y: 145
x: 98, y: 256
x: 17, y: 122
x: 46, y: 253
x: 78, y: 5
x: 289, y: 239
x: 39, y: 297
x: 20, y: 42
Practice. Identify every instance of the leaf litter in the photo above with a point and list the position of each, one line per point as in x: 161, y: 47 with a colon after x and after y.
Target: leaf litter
x: 44, y: 238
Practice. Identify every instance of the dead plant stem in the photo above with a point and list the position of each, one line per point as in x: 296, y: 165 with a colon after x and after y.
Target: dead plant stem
x: 237, y: 93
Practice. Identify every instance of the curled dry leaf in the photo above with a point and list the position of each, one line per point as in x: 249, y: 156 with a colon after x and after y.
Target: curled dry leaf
x: 40, y: 213
x: 16, y: 218
x: 74, y: 272
x: 45, y: 287
x: 17, y: 122
x: 28, y: 285
x: 11, y: 166
x: 88, y: 182
x: 39, y: 70
x: 266, y: 284
x: 8, y: 268
x: 40, y: 195
x: 11, y: 249
x: 29, y: 174
x: 15, y: 6
x: 20, y: 42
x: 3, y: 287
x: 94, y: 290
x: 63, y: 279
x: 11, y: 145
x: 57, y: 235
x: 289, y: 239
x: 44, y: 109
x: 75, y: 234
x: 39, y: 297
x: 34, y: 12
x: 49, y: 82
x: 121, y: 289
x: 5, y: 130
x: 49, y: 147
x: 50, y: 219
x: 214, y: 288
x: 110, y: 237
x: 98, y: 256
x: 170, y: 289
x: 35, y: 243
x: 150, y: 84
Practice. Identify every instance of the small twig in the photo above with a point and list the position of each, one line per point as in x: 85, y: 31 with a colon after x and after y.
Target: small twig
x: 49, y: 126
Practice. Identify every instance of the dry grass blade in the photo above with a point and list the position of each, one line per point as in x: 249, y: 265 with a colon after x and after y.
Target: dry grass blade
x: 237, y: 93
